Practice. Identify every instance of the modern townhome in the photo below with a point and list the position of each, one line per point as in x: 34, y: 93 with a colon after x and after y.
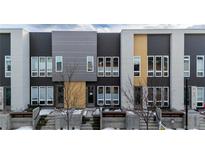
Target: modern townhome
x: 85, y: 69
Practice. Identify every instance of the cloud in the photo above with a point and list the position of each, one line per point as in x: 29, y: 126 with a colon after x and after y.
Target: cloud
x: 97, y: 27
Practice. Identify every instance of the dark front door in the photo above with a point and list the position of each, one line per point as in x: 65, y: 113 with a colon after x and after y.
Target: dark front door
x: 7, y: 98
x: 91, y: 96
x: 59, y: 96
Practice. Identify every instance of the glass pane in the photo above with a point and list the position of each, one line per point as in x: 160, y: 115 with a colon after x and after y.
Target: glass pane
x: 200, y: 94
x: 42, y: 93
x: 108, y: 62
x: 158, y: 94
x: 50, y: 93
x: 42, y: 64
x: 158, y: 63
x: 34, y: 64
x: 165, y: 63
x: 165, y: 94
x: 150, y: 94
x: 200, y: 64
x: 115, y: 62
x: 34, y: 93
x: 100, y: 62
x: 150, y: 63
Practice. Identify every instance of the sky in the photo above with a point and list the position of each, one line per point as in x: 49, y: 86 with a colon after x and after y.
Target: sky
x: 96, y: 27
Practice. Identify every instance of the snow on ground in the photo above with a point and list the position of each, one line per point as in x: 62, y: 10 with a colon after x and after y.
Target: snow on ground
x: 76, y: 112
x: 130, y: 113
x: 45, y: 111
x: 97, y: 112
x: 25, y: 128
x: 108, y: 128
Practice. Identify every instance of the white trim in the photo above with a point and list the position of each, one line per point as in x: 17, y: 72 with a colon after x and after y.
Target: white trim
x: 37, y: 95
x: 188, y: 58
x: 61, y: 64
x: 197, y: 66
x: 108, y: 99
x: 34, y: 57
x: 47, y: 72
x: 44, y: 71
x: 139, y: 66
x: 167, y: 66
x: 115, y: 67
x: 110, y: 68
x: 158, y: 56
x: 101, y: 67
x: 6, y: 59
x: 153, y: 71
x: 102, y: 94
x: 92, y: 61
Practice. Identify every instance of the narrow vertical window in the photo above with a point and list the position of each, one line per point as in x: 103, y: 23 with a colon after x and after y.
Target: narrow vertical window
x: 158, y: 96
x: 107, y: 95
x: 7, y: 66
x: 115, y: 95
x: 49, y: 66
x: 42, y: 95
x: 108, y: 66
x: 50, y: 95
x: 100, y: 95
x: 34, y: 66
x: 90, y: 64
x: 200, y: 97
x: 200, y: 66
x: 186, y: 66
x: 137, y: 63
x: 59, y: 63
x: 150, y: 96
x: 165, y: 66
x: 166, y: 97
x: 115, y: 70
x: 42, y: 66
x: 158, y: 66
x: 150, y: 66
x: 34, y: 95
x: 100, y: 66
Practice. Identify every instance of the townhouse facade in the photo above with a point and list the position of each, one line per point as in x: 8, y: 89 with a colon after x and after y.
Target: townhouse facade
x: 38, y: 68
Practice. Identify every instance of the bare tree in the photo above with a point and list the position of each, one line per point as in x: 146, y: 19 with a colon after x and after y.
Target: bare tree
x: 71, y: 92
x: 137, y: 101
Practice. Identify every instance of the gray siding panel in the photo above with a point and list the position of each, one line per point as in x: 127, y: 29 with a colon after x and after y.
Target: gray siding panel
x: 5, y: 49
x: 74, y: 46
x: 194, y: 45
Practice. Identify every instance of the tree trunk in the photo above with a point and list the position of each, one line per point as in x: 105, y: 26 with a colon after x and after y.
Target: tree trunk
x: 67, y: 114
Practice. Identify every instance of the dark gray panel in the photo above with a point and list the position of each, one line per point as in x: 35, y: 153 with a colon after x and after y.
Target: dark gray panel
x: 5, y: 47
x: 108, y: 44
x: 74, y: 46
x: 194, y: 45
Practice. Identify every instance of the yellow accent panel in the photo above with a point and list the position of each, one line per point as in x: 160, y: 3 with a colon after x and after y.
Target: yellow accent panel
x: 74, y: 94
x: 140, y: 49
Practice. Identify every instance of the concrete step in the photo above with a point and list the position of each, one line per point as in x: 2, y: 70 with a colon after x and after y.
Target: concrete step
x: 86, y: 128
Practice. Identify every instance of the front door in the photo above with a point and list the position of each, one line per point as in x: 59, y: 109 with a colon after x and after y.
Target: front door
x: 7, y: 98
x: 59, y: 90
x: 91, y: 96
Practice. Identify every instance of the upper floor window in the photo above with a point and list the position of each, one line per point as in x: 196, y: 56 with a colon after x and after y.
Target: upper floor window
x: 100, y: 66
x: 42, y: 66
x: 115, y: 68
x: 165, y: 66
x: 7, y: 66
x: 90, y: 64
x: 150, y: 66
x: 137, y: 63
x: 200, y: 66
x: 34, y: 66
x: 158, y: 66
x: 59, y: 63
x: 49, y: 66
x: 186, y: 66
x: 108, y: 66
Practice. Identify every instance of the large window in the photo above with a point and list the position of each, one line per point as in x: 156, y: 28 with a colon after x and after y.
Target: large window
x: 165, y: 66
x: 115, y: 95
x: 115, y: 69
x: 107, y: 95
x: 200, y: 96
x: 50, y: 95
x: 90, y: 64
x: 100, y: 66
x: 59, y: 64
x: 150, y: 96
x: 150, y: 66
x: 186, y: 66
x: 100, y: 95
x: 7, y: 66
x: 158, y: 66
x: 137, y: 63
x: 158, y: 96
x: 108, y: 66
x: 49, y: 66
x: 42, y: 66
x: 34, y: 66
x: 34, y: 95
x: 200, y: 66
x: 42, y: 95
